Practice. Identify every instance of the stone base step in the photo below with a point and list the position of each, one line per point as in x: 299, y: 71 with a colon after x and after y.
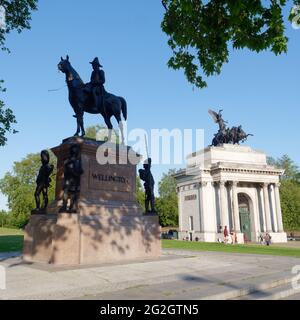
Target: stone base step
x: 276, y: 285
x: 277, y: 293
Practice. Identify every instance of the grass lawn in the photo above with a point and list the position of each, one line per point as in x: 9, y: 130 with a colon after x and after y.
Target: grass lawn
x: 247, y: 249
x: 11, y: 240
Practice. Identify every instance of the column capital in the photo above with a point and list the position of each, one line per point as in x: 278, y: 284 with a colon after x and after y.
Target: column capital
x: 223, y: 183
x: 234, y: 183
x: 277, y: 185
x: 266, y: 185
x: 203, y: 184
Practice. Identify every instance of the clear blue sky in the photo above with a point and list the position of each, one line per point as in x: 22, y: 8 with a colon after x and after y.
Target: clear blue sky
x: 260, y: 91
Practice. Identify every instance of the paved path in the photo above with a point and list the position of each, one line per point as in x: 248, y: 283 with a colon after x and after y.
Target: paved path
x: 290, y: 244
x: 176, y: 275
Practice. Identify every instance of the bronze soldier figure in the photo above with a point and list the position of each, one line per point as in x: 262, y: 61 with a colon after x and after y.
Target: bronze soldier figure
x: 147, y: 177
x: 43, y: 183
x: 72, y: 173
x: 97, y: 83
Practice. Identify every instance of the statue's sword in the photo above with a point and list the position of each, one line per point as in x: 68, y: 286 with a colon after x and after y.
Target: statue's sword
x: 147, y: 149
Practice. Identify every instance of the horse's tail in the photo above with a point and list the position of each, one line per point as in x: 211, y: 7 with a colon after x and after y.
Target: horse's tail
x: 124, y: 108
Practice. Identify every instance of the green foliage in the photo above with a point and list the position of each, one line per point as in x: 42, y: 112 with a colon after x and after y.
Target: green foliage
x: 291, y: 170
x: 201, y: 32
x: 289, y: 192
x: 11, y: 232
x: 17, y: 17
x: 242, y: 248
x: 3, y: 219
x: 167, y: 203
x: 19, y: 186
x: 7, y: 119
x: 168, y: 211
x: 91, y: 132
x: 290, y: 203
x: 140, y: 194
x: 100, y: 133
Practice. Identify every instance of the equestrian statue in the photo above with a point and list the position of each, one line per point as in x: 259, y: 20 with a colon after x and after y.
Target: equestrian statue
x: 92, y: 97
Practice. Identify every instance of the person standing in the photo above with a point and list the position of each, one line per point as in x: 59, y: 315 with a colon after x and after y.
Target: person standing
x: 268, y: 239
x: 226, y: 234
x: 233, y: 236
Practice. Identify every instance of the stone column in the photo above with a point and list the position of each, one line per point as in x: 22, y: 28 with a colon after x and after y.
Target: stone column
x: 180, y: 213
x: 204, y: 209
x: 267, y: 207
x: 274, y: 208
x: 262, y: 217
x: 224, y: 205
x: 278, y: 208
x: 235, y: 205
x: 200, y: 205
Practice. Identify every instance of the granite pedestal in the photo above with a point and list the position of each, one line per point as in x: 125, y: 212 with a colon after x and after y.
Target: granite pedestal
x: 109, y: 225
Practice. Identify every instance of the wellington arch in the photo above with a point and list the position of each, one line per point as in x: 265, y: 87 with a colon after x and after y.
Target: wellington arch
x: 229, y: 185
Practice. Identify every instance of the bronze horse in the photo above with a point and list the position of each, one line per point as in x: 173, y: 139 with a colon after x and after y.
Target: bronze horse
x: 81, y: 100
x: 235, y: 135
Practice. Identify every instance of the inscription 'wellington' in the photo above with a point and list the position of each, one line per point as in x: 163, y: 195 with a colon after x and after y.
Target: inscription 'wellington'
x: 109, y: 178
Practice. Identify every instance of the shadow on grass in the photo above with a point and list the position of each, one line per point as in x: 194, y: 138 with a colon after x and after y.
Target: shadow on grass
x: 11, y: 243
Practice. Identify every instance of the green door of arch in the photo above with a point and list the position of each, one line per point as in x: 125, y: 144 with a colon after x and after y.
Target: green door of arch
x: 245, y: 222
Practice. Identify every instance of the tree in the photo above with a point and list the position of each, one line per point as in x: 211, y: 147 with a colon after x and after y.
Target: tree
x: 289, y: 191
x: 17, y: 17
x: 19, y: 186
x: 3, y: 219
x: 167, y: 203
x: 290, y: 202
x: 201, y: 32
x: 7, y: 119
x: 140, y: 194
x: 100, y: 133
x: 291, y: 170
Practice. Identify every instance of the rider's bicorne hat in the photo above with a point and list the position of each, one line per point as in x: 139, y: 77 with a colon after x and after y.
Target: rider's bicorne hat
x: 96, y: 62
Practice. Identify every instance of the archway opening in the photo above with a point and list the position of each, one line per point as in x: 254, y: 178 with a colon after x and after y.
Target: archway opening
x: 245, y: 218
